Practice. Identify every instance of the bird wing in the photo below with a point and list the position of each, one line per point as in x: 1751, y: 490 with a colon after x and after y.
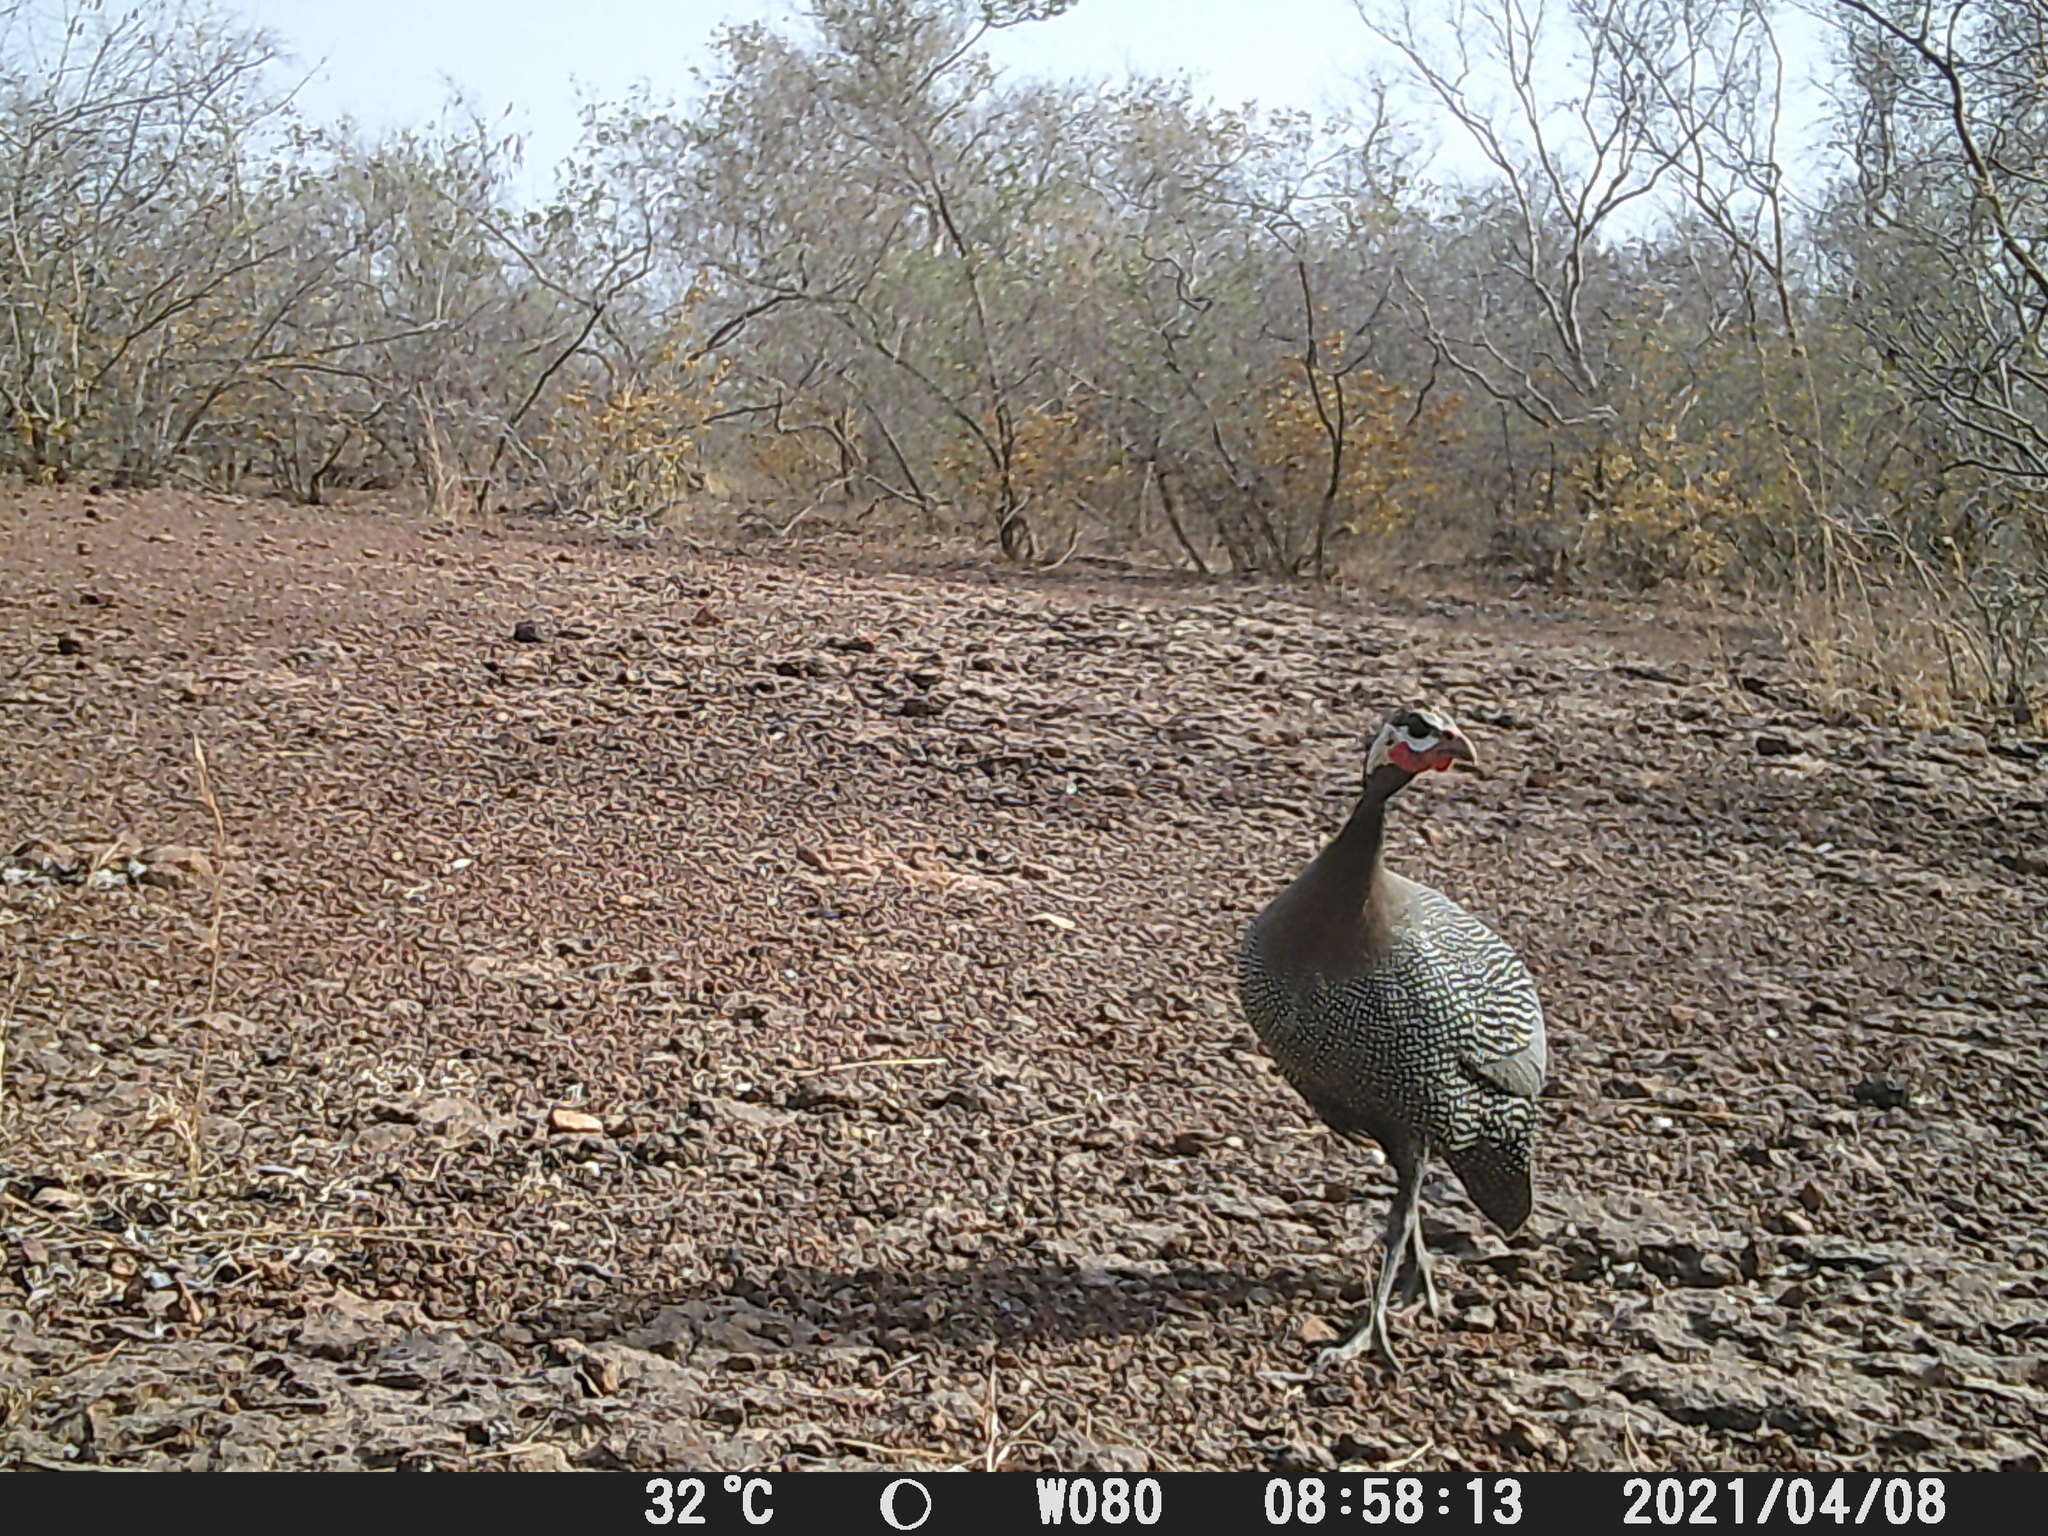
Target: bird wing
x: 1504, y: 1045
x: 1520, y: 1074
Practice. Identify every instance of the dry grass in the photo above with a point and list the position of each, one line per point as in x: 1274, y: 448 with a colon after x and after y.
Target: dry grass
x: 443, y: 480
x: 1880, y: 654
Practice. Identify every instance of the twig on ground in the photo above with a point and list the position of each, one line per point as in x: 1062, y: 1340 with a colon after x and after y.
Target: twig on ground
x: 195, y: 1139
x: 6, y: 1025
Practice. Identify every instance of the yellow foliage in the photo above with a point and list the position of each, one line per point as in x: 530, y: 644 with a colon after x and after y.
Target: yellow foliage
x: 1295, y: 439
x: 782, y: 457
x: 1664, y: 507
x: 628, y: 445
x: 1056, y: 453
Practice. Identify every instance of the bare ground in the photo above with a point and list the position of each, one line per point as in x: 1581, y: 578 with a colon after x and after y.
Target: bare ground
x: 883, y: 924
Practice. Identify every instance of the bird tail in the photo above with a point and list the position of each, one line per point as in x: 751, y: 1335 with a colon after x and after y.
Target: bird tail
x: 1496, y: 1176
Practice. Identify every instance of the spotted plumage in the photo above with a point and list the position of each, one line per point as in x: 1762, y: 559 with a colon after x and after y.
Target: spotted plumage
x: 1400, y: 1017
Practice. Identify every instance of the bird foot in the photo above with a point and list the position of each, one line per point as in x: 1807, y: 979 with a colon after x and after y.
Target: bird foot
x: 1417, y: 1284
x: 1429, y: 1296
x: 1368, y: 1335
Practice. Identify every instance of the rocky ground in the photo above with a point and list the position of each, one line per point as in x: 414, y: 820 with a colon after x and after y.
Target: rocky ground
x: 682, y: 1010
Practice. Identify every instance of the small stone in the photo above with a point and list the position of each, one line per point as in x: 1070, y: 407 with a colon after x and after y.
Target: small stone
x: 1300, y: 1456
x: 1479, y: 1319
x: 378, y: 1139
x: 452, y: 1117
x: 70, y: 645
x: 1314, y: 1330
x: 1115, y: 1459
x: 173, y: 865
x: 574, y: 1122
x: 1687, y: 1264
x: 1880, y: 1093
x: 1527, y: 1437
x: 1812, y: 1196
x: 47, y: 858
x: 1776, y: 744
x: 538, y: 1458
x: 525, y: 632
x: 55, y: 1197
x: 2029, y: 862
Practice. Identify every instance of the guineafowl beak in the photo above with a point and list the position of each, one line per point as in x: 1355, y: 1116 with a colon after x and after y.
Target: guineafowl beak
x: 1456, y: 749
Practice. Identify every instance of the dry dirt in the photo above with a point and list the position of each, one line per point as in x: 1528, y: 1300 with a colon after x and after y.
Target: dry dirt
x: 780, y: 1015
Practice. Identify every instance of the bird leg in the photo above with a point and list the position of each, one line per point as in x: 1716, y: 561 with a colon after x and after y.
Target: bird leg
x: 1418, y: 1276
x: 1371, y: 1332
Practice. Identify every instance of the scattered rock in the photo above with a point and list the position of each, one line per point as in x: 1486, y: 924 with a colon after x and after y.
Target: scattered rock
x: 174, y: 865
x: 1315, y: 1330
x: 545, y: 1457
x: 526, y: 632
x: 1881, y: 1093
x: 1530, y: 1439
x: 375, y: 1140
x: 1688, y: 1264
x: 1714, y: 1396
x: 458, y: 1119
x: 41, y: 858
x: 345, y: 1326
x: 931, y: 1155
x: 1124, y: 1460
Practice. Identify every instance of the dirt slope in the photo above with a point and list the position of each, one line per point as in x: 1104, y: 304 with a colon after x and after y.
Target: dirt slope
x: 883, y: 923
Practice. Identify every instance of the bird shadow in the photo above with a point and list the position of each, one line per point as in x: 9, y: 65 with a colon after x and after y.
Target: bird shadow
x: 1001, y: 1302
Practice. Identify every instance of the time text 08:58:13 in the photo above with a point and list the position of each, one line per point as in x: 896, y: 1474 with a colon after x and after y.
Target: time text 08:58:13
x: 1392, y: 1500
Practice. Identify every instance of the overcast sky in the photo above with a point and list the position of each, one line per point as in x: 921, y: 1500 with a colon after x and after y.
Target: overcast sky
x: 392, y: 62
x: 386, y: 62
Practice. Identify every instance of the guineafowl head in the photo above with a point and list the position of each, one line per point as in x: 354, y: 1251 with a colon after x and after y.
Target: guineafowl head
x: 1418, y: 740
